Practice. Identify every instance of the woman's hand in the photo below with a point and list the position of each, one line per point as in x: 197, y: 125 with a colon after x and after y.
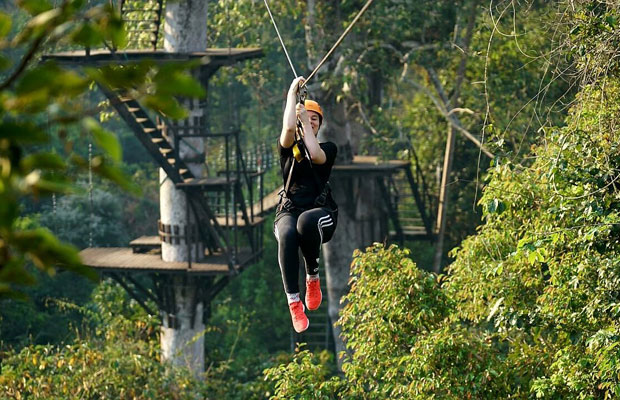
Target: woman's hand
x: 302, y: 114
x: 294, y: 89
x: 289, y: 120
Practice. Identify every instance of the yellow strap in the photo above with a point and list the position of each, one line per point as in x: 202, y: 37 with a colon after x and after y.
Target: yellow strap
x: 297, y: 153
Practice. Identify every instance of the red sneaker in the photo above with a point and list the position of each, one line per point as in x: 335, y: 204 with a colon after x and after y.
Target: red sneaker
x: 313, y: 294
x: 300, y: 321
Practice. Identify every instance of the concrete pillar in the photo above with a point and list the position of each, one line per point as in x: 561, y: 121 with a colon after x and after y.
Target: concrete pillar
x: 182, y: 340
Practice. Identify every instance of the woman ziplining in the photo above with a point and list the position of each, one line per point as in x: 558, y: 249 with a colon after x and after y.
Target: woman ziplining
x: 307, y: 215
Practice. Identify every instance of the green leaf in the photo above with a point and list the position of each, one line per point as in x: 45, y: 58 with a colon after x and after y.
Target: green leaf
x: 23, y: 133
x: 50, y: 79
x: 42, y: 161
x: 171, y: 79
x: 47, y: 252
x: 37, y: 78
x: 13, y: 272
x: 5, y: 24
x: 114, y: 174
x: 106, y: 140
x: 35, y: 6
x: 167, y: 105
x: 49, y: 186
x: 87, y: 35
x: 5, y: 62
x: 43, y: 19
x: 611, y: 20
x: 126, y: 76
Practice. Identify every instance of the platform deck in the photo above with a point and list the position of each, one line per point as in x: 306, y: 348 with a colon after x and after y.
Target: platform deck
x: 123, y: 259
x: 218, y: 183
x: 369, y: 164
x: 270, y: 202
x: 212, y: 56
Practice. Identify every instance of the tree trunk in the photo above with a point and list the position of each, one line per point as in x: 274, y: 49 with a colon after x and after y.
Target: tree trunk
x: 449, y: 105
x: 362, y: 217
x: 362, y: 220
x: 182, y: 341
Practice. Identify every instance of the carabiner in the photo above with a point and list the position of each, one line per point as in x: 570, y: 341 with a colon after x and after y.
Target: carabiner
x: 302, y: 93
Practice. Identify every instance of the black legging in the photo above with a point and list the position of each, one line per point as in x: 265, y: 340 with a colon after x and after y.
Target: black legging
x: 305, y: 230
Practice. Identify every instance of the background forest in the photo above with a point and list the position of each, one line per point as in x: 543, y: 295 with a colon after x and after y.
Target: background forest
x: 528, y: 303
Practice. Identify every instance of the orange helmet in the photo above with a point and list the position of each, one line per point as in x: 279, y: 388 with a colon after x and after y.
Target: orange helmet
x: 312, y: 105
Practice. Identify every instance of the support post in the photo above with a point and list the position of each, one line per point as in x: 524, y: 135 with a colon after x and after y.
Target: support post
x: 182, y: 341
x: 443, y: 199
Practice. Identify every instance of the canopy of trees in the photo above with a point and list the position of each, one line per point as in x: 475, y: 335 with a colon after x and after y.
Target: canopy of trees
x: 528, y: 306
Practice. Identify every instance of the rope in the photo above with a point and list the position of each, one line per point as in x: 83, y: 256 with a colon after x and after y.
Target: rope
x: 280, y: 37
x: 340, y: 39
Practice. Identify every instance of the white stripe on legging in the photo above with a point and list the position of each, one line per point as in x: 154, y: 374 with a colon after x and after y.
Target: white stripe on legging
x: 324, y: 221
x: 275, y: 232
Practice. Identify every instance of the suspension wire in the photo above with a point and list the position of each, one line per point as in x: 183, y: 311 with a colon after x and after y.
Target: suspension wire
x: 280, y: 37
x: 340, y: 39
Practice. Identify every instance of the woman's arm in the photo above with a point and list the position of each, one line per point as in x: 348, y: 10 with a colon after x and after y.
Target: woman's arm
x: 317, y: 155
x: 289, y: 120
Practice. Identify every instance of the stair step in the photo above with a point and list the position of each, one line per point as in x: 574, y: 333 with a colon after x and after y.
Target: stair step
x: 148, y: 130
x: 165, y: 150
x: 141, y: 120
x: 172, y: 161
x: 158, y: 139
x: 133, y: 109
x: 414, y: 234
x: 213, y: 183
x: 125, y: 99
x: 144, y: 244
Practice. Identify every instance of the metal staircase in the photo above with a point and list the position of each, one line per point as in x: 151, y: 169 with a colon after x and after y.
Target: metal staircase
x: 410, y: 204
x: 219, y: 228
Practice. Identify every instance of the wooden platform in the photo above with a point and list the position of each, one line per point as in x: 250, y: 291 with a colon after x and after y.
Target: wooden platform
x: 144, y: 244
x: 216, y: 183
x: 361, y: 165
x: 124, y: 258
x: 212, y: 56
x: 369, y: 164
x: 270, y: 202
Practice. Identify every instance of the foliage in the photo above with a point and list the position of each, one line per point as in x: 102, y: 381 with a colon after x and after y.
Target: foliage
x: 304, y: 377
x: 529, y: 308
x: 547, y: 258
x: 401, y: 341
x: 120, y: 360
x: 116, y: 357
x: 49, y: 315
x: 38, y: 100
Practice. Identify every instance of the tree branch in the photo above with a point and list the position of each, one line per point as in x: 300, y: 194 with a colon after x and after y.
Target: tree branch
x: 449, y: 115
x: 460, y: 73
x: 453, y: 119
x: 24, y: 62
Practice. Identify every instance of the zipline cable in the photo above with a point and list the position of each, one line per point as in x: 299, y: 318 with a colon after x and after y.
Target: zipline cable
x: 340, y: 39
x: 280, y: 37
